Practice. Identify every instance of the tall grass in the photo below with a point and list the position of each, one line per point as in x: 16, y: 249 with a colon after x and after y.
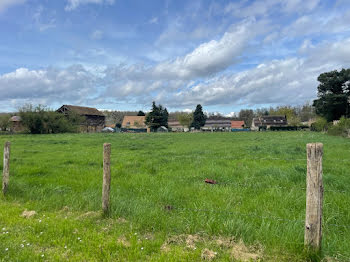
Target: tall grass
x: 158, y: 186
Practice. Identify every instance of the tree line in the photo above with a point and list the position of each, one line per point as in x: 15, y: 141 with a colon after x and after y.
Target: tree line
x: 332, y: 103
x: 158, y: 116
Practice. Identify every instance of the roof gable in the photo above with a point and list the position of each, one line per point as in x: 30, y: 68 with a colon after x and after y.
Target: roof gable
x: 237, y: 124
x: 80, y: 110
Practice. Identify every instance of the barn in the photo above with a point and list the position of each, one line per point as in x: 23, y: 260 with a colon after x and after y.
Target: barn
x: 217, y: 125
x: 266, y: 122
x: 93, y: 119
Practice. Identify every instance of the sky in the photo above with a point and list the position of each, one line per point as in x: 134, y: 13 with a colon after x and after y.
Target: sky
x: 124, y: 54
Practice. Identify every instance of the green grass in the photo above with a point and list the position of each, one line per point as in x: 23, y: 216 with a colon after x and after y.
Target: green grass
x: 260, y: 198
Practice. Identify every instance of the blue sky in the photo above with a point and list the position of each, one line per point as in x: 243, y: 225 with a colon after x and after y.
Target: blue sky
x: 122, y: 55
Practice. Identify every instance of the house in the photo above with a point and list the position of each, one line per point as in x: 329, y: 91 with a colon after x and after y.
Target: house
x: 16, y: 124
x: 237, y: 124
x: 217, y: 125
x: 134, y: 124
x: 93, y: 120
x: 266, y: 122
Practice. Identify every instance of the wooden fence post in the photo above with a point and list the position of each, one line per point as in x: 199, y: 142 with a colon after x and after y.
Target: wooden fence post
x: 106, y: 177
x: 6, y: 167
x: 314, y: 197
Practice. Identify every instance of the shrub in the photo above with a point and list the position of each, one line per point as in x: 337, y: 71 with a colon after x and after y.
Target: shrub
x: 40, y: 120
x: 340, y: 129
x: 4, y: 122
x: 321, y: 125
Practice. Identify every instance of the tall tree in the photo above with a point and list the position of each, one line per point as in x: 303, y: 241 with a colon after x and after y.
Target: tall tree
x: 157, y: 117
x: 198, y: 118
x: 247, y: 115
x: 333, y: 94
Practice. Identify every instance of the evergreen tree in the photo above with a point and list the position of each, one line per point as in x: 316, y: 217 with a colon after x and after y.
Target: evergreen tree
x: 157, y: 117
x: 198, y: 118
x: 141, y: 113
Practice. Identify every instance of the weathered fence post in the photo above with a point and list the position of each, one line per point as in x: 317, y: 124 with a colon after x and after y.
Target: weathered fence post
x: 106, y: 177
x: 314, y: 197
x: 6, y: 168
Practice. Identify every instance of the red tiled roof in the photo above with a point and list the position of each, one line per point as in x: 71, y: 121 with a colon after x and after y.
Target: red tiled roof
x: 237, y: 124
x: 134, y: 122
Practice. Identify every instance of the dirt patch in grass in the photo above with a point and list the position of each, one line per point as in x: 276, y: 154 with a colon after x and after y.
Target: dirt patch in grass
x: 28, y: 214
x: 243, y: 253
x: 208, y: 254
x: 121, y: 220
x: 237, y: 249
x: 123, y: 241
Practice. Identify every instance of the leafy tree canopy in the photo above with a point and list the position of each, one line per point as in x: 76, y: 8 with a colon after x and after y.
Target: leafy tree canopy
x: 247, y: 115
x: 141, y: 113
x: 333, y: 94
x: 185, y: 119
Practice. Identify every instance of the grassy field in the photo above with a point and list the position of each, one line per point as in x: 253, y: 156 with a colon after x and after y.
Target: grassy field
x: 161, y: 208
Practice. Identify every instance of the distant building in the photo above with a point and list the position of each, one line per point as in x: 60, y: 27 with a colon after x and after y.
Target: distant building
x: 217, y: 125
x: 237, y: 124
x: 16, y: 124
x: 162, y: 129
x: 93, y: 119
x: 134, y: 124
x: 265, y: 122
x: 175, y: 126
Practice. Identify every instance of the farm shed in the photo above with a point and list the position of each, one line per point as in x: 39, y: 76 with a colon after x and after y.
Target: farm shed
x: 16, y: 124
x: 266, y: 122
x: 162, y: 129
x: 134, y: 124
x: 93, y: 119
x: 217, y: 125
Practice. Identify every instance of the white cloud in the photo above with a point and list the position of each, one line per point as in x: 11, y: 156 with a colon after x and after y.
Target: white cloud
x: 285, y: 81
x: 267, y: 7
x: 311, y: 25
x: 210, y: 57
x: 73, y: 4
x: 231, y: 114
x: 54, y: 85
x: 5, y: 4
